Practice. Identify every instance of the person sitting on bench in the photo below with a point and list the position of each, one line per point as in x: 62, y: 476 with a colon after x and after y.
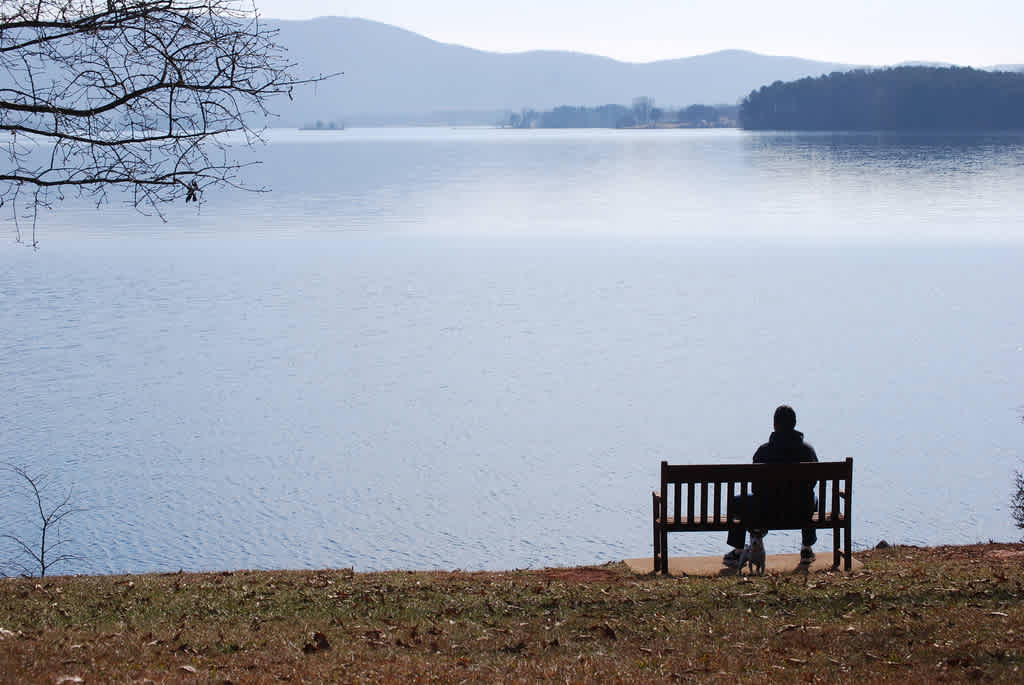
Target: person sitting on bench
x: 785, y: 445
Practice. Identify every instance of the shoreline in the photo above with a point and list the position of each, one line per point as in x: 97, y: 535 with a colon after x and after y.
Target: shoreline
x: 819, y: 566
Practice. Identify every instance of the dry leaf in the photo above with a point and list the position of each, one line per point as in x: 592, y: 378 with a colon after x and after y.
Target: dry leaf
x: 69, y: 679
x: 514, y: 649
x: 319, y: 643
x: 321, y: 640
x: 188, y: 669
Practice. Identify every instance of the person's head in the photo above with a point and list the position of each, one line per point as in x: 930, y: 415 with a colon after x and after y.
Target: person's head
x: 785, y: 418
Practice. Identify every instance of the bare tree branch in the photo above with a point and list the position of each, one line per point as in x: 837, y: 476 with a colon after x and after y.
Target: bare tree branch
x: 42, y: 553
x: 144, y: 95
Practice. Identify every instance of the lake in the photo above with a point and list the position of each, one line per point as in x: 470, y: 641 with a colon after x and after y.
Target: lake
x: 471, y: 348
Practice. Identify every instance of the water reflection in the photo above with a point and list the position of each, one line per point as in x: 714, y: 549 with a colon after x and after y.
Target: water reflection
x: 957, y: 152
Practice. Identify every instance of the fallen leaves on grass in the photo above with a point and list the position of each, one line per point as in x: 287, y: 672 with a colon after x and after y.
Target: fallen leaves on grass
x: 526, y: 626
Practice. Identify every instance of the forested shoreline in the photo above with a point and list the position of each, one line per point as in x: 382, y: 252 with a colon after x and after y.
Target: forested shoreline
x: 899, y: 98
x: 642, y: 114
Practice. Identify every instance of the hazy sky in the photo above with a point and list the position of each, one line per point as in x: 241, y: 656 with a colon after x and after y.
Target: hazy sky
x: 975, y: 32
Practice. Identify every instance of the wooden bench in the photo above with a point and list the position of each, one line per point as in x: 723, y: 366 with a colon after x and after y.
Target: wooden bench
x: 700, y: 498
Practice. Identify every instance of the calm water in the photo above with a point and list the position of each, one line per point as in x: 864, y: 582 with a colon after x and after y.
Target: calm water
x: 471, y: 348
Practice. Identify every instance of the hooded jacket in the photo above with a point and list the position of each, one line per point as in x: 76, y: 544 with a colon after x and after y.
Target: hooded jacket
x: 786, y: 447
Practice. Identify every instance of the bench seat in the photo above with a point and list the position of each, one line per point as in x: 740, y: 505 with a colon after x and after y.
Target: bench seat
x: 722, y: 523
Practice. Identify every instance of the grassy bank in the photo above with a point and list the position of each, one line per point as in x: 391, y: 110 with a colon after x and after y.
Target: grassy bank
x: 943, y: 614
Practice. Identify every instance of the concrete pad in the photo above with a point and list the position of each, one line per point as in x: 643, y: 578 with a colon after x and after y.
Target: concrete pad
x: 712, y: 566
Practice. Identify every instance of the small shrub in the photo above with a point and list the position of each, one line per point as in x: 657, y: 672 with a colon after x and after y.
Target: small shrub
x: 1017, y: 502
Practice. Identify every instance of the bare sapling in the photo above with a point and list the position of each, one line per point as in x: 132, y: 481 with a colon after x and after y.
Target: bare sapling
x: 46, y: 547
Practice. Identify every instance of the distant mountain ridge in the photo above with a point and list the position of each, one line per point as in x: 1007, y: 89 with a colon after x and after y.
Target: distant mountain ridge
x: 396, y: 76
x: 394, y: 73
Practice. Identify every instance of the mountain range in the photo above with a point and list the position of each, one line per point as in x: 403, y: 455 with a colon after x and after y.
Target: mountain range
x: 392, y: 75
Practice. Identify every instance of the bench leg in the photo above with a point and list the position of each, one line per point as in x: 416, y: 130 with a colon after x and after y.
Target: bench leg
x: 836, y: 532
x: 848, y: 550
x: 657, y: 551
x: 664, y: 551
x: 656, y: 512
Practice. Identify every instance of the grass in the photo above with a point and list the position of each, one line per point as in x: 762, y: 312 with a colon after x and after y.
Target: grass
x: 948, y: 614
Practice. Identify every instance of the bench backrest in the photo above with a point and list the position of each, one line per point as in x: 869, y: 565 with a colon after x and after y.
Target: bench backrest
x: 702, y: 491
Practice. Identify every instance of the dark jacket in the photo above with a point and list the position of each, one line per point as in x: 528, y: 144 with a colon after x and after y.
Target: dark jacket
x: 786, y: 447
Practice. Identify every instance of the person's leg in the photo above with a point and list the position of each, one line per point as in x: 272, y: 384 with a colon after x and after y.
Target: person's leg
x: 737, y: 533
x: 737, y: 537
x: 809, y: 536
x: 807, y: 549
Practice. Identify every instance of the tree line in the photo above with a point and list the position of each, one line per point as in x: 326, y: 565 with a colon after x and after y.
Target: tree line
x: 642, y: 114
x: 899, y: 98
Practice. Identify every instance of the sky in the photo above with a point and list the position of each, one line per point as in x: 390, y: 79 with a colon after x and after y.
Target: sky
x: 869, y: 32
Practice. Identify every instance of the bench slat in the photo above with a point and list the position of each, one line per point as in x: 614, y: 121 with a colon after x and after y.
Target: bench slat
x: 679, y: 500
x: 689, y: 500
x: 835, y: 497
x: 815, y: 519
x: 718, y: 500
x: 760, y: 472
x: 703, y: 501
x: 821, y: 497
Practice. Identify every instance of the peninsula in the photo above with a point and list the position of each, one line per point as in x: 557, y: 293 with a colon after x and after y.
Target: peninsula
x: 901, y: 98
